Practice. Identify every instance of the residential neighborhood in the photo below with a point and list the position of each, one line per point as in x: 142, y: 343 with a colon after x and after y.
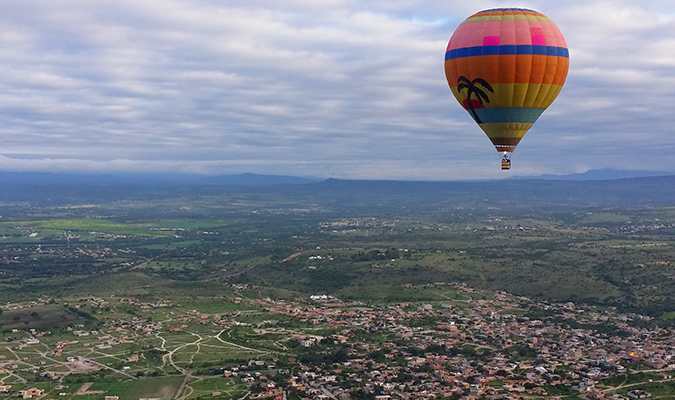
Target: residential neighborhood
x: 477, y: 345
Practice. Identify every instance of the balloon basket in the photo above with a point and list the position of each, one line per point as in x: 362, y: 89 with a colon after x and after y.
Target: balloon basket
x: 506, y: 164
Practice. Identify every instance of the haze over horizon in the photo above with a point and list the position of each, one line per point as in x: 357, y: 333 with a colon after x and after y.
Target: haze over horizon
x: 344, y: 89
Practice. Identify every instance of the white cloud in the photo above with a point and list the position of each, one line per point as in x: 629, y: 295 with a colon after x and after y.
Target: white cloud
x: 341, y: 88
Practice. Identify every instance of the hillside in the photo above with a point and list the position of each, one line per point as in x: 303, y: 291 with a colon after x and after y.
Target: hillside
x: 352, y: 196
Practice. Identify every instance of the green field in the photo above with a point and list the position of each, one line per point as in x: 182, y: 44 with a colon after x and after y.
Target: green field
x: 38, y: 317
x: 165, y: 387
x: 57, y: 227
x: 197, y: 285
x: 229, y: 388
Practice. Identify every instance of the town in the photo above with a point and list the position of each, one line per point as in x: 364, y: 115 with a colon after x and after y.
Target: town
x: 475, y: 345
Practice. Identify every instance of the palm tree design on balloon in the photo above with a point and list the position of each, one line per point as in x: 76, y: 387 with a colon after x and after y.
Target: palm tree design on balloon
x: 472, y: 88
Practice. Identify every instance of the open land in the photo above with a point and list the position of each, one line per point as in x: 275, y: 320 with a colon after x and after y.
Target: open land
x: 252, y: 297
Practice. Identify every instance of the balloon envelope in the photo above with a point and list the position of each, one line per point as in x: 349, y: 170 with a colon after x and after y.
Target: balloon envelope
x: 505, y: 67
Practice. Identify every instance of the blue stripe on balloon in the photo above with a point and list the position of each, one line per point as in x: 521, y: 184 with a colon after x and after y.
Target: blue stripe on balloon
x: 503, y: 115
x: 507, y: 50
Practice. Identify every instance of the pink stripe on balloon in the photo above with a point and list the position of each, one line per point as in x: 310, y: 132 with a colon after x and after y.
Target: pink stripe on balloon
x: 509, y: 33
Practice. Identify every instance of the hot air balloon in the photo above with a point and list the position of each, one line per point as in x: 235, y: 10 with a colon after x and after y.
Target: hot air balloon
x: 505, y: 66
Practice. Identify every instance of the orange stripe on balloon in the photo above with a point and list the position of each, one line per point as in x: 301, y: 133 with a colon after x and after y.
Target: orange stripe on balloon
x: 522, y: 68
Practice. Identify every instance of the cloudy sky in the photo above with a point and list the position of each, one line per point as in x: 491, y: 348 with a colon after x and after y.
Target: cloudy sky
x: 329, y: 88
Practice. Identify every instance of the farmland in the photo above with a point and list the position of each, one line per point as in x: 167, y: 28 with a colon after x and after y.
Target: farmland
x: 227, y: 297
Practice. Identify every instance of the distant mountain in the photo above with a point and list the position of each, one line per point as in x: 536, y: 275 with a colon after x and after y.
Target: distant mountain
x: 35, y: 179
x: 599, y: 175
x: 130, y: 179
x: 256, y: 180
x: 348, y: 197
x: 503, y: 194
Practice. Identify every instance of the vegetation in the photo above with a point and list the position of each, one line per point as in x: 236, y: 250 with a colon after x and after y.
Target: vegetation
x: 163, y: 263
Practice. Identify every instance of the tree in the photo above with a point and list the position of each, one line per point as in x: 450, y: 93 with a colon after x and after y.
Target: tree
x: 470, y: 86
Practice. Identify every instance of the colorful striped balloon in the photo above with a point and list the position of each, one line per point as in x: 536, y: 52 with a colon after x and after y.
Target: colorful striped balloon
x: 505, y: 67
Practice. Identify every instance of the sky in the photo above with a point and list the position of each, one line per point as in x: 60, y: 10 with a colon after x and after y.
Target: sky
x: 351, y: 89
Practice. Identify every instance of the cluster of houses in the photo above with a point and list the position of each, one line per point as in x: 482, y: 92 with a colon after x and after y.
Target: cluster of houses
x: 8, y: 306
x: 484, y: 347
x: 23, y: 393
x: 494, y: 345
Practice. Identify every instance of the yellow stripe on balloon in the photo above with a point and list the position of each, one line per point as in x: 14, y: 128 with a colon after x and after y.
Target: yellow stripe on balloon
x: 528, y: 95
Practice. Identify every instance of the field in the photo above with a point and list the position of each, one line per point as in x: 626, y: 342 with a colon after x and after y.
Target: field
x: 186, y: 297
x: 609, y: 258
x: 38, y: 316
x: 165, y: 388
x: 228, y: 388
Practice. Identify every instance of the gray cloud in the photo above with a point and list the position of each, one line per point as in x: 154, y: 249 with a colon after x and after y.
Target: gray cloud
x: 343, y: 88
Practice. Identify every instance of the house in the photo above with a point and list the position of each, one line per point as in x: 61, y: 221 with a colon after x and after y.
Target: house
x: 639, y: 394
x: 30, y: 393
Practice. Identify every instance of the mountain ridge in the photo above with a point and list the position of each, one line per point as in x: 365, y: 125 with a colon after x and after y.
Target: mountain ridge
x: 599, y: 174
x: 254, y: 179
x: 103, y: 179
x: 357, y: 196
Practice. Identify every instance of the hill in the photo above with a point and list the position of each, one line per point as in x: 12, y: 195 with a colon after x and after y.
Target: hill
x: 599, y: 175
x: 352, y: 196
